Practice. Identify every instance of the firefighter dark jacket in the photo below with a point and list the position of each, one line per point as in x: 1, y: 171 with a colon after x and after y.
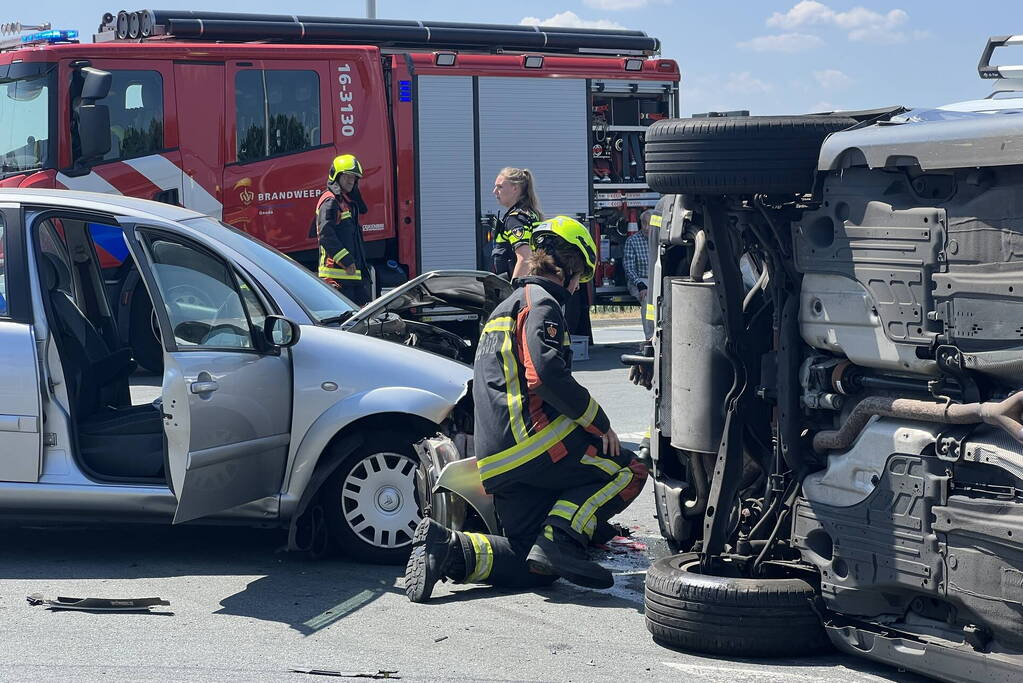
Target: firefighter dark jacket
x: 530, y: 411
x: 340, y: 237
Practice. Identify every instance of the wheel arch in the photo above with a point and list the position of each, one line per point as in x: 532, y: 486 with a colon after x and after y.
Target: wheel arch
x: 304, y: 485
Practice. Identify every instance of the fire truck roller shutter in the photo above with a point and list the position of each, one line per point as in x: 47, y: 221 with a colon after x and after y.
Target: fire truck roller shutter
x: 539, y: 124
x: 446, y: 168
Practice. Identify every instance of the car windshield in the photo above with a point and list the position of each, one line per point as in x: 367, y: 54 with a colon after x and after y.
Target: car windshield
x: 24, y: 123
x: 322, y: 302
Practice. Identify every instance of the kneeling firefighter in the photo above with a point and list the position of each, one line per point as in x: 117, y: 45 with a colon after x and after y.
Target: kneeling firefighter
x: 342, y: 254
x: 545, y: 449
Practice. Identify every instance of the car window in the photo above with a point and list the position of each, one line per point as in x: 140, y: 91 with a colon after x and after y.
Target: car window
x: 3, y: 270
x: 318, y: 299
x: 136, y: 114
x: 201, y: 296
x: 277, y: 112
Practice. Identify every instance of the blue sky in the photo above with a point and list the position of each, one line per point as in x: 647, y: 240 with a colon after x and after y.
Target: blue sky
x: 769, y: 56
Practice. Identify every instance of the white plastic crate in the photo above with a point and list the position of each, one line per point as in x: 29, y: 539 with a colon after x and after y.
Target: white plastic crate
x: 580, y: 348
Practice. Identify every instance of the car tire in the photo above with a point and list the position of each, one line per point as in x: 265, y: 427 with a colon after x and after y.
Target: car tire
x: 739, y: 617
x: 143, y: 336
x: 737, y: 155
x: 370, y: 501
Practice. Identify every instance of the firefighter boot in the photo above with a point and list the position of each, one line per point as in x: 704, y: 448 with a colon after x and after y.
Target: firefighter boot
x: 555, y: 552
x: 436, y: 556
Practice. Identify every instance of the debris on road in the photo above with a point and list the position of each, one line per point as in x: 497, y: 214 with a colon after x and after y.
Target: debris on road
x: 97, y: 604
x: 437, y: 640
x: 381, y: 674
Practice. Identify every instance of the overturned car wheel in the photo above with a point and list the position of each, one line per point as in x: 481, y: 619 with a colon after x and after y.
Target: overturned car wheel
x: 768, y: 617
x: 370, y: 502
x: 737, y: 155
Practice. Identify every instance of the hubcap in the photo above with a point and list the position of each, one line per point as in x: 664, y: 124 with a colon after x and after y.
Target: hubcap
x: 378, y: 500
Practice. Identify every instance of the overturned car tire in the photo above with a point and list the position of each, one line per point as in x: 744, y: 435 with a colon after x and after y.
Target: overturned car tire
x: 737, y: 155
x: 732, y: 616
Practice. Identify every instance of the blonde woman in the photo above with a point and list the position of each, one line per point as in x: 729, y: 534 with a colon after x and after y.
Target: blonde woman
x: 515, y: 190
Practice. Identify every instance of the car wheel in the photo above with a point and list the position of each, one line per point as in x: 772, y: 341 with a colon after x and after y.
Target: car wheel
x: 144, y: 332
x: 370, y: 502
x: 763, y: 617
x: 737, y: 155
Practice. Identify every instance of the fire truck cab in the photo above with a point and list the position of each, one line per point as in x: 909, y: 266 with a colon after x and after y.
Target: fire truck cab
x: 184, y: 108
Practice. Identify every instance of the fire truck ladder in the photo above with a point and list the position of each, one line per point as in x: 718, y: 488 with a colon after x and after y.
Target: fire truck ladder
x: 193, y: 25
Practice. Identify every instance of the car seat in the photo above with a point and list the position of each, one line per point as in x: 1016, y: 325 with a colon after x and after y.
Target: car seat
x: 96, y: 376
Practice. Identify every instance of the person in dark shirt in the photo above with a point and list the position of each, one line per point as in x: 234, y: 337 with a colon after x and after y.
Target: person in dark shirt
x: 515, y: 190
x: 342, y: 261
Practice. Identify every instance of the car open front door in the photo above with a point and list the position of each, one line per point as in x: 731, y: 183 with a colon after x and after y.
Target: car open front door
x: 226, y: 393
x: 20, y: 410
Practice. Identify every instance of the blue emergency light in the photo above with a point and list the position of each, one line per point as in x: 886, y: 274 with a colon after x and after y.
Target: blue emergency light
x: 51, y: 36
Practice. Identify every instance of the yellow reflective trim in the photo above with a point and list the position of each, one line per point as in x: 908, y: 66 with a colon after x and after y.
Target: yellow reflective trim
x: 585, y: 519
x: 586, y: 419
x: 345, y: 214
x: 484, y: 558
x: 609, y: 466
x: 513, y: 391
x: 651, y: 314
x: 548, y: 533
x: 655, y: 220
x: 502, y: 324
x: 340, y: 255
x: 521, y: 453
x: 338, y: 273
x: 564, y: 509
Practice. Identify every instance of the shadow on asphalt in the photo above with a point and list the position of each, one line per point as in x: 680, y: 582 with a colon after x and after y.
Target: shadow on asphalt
x: 306, y: 595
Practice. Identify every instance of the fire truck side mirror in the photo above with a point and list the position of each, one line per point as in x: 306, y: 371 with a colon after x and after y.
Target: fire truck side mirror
x: 95, y: 84
x: 94, y: 130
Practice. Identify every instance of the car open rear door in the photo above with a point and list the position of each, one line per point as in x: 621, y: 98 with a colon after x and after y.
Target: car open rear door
x: 226, y: 394
x: 20, y: 409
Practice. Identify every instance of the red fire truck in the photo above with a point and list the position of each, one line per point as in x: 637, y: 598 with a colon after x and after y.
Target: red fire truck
x: 238, y: 116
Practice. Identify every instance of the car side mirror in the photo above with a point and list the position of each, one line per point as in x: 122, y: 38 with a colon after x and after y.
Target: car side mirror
x: 280, y: 332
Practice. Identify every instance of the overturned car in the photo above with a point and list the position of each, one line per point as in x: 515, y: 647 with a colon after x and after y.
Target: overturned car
x: 837, y: 435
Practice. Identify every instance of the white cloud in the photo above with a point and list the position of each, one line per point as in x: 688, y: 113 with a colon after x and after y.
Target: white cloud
x: 784, y: 42
x: 569, y: 20
x: 860, y: 23
x: 831, y: 78
x: 745, y: 82
x: 616, y: 5
x: 824, y: 106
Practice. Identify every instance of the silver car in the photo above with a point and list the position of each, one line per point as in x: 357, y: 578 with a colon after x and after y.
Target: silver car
x: 278, y: 405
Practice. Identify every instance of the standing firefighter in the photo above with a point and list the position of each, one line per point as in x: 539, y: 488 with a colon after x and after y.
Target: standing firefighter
x: 545, y: 449
x: 342, y: 255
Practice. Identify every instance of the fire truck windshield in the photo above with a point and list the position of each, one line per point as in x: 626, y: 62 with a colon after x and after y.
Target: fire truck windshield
x: 25, y: 108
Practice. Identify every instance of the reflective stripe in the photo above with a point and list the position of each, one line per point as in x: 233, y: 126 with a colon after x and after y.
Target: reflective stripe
x: 655, y: 220
x: 650, y: 313
x: 484, y: 557
x: 513, y: 391
x: 513, y: 388
x: 504, y: 324
x: 585, y: 520
x: 564, y: 509
x: 340, y: 255
x: 586, y: 419
x: 609, y: 466
x: 344, y: 215
x: 521, y: 453
x: 339, y: 273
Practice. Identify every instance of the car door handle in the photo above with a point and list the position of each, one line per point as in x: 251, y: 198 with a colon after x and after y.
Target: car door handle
x: 203, y: 387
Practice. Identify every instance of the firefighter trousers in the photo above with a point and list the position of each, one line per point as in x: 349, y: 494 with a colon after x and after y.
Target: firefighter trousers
x: 578, y: 494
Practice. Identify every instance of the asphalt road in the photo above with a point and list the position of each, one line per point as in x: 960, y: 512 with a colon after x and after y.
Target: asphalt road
x: 241, y: 610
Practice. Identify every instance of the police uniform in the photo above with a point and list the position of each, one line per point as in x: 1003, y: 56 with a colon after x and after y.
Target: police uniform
x: 513, y: 230
x: 538, y: 439
x: 341, y: 246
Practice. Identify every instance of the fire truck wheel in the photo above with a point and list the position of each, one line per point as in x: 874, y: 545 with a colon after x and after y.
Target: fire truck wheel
x: 144, y: 333
x: 737, y: 155
x: 738, y: 617
x: 370, y: 501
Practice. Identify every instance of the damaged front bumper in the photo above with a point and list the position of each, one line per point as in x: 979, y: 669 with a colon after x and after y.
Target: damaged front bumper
x: 449, y: 486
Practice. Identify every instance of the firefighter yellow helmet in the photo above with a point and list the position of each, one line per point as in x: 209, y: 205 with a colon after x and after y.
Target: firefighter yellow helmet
x: 346, y: 163
x: 574, y: 233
